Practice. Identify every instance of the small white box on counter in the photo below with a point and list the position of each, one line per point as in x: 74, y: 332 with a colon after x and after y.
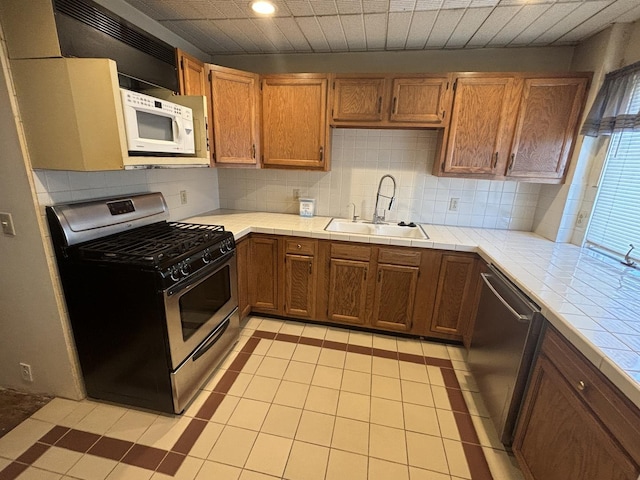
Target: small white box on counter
x: 307, y: 207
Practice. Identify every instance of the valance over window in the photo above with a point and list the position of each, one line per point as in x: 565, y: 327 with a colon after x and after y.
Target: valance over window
x: 613, y: 109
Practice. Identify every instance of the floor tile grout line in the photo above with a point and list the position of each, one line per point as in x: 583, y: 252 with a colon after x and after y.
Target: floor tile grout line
x: 248, y: 348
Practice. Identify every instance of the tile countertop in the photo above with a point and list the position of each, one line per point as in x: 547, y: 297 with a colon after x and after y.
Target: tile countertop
x: 592, y: 300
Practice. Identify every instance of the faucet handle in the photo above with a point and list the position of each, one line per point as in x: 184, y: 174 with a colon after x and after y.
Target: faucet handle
x: 355, y: 218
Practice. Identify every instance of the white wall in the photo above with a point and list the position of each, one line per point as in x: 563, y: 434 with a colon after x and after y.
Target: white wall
x: 359, y: 159
x: 450, y: 60
x: 33, y: 327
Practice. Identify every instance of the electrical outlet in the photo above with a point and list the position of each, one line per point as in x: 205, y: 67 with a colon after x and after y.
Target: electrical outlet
x: 453, y: 204
x: 183, y: 197
x: 25, y: 371
x: 582, y: 218
x: 7, y: 223
x: 296, y: 193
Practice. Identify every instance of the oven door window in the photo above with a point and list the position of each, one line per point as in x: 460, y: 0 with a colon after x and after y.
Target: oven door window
x: 204, y: 301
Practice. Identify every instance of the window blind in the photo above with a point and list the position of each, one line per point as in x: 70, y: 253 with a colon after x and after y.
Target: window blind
x: 615, y: 221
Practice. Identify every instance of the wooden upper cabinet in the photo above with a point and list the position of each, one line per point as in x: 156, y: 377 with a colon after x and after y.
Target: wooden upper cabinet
x: 419, y: 100
x: 295, y: 131
x: 546, y: 124
x: 358, y: 99
x: 478, y: 139
x: 234, y: 95
x: 192, y: 76
x: 389, y: 101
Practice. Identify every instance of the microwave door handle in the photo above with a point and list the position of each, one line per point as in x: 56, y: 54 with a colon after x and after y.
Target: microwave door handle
x: 176, y: 129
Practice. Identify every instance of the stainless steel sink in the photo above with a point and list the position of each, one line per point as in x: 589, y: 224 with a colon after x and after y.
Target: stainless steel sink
x: 342, y: 225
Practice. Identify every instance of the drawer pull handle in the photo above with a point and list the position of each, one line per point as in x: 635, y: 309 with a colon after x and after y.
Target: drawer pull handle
x: 299, y: 246
x: 582, y: 386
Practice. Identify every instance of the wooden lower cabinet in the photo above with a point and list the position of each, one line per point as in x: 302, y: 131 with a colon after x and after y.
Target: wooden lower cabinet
x: 264, y: 274
x: 347, y: 291
x: 300, y: 277
x: 574, y: 423
x: 456, y: 296
x: 398, y: 289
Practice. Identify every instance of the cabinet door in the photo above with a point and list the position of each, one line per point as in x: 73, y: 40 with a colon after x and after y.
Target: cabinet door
x: 478, y: 138
x: 347, y: 291
x: 263, y: 274
x: 294, y: 122
x: 455, y: 295
x: 358, y: 99
x: 559, y: 438
x: 300, y: 286
x: 242, y: 257
x: 234, y: 97
x: 192, y: 78
x: 418, y: 100
x: 394, y: 298
x: 546, y: 127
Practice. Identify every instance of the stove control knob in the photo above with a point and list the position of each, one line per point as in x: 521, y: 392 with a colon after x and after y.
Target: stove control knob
x: 185, y: 269
x: 175, y: 274
x: 206, y: 256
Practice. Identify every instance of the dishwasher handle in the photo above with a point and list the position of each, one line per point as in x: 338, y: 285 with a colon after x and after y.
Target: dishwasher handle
x: 519, y: 316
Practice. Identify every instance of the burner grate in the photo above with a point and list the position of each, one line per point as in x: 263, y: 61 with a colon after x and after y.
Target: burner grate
x: 152, y: 244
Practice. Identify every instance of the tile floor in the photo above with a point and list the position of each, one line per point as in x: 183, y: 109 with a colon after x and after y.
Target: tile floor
x: 292, y: 401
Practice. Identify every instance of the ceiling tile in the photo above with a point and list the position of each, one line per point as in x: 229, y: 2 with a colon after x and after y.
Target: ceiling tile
x: 202, y: 35
x: 254, y: 35
x: 552, y: 16
x: 346, y: 7
x: 313, y: 33
x: 467, y: 27
x: 375, y: 27
x: 484, y: 3
x: 157, y: 10
x: 332, y: 29
x: 300, y: 8
x: 398, y: 30
x: 270, y: 30
x: 353, y: 27
x: 208, y: 10
x: 324, y: 7
x: 402, y: 5
x: 233, y: 30
x: 499, y: 17
x: 421, y: 25
x: 600, y: 20
x: 453, y: 4
x: 441, y: 30
x: 583, y: 12
x: 520, y: 21
x: 228, y: 9
x: 375, y: 6
x: 291, y: 30
x: 428, y: 5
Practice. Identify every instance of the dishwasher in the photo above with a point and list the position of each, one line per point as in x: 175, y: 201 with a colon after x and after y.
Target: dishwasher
x: 503, y: 344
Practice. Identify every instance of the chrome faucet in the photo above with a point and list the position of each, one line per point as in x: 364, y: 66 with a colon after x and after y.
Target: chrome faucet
x: 380, y: 219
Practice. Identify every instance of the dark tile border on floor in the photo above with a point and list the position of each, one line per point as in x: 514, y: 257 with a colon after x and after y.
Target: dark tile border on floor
x: 168, y: 462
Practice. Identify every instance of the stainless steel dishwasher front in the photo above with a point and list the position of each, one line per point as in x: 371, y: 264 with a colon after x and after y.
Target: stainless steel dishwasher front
x: 505, y: 337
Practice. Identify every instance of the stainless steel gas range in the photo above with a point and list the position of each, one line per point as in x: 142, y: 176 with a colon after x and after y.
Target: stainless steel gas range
x: 153, y: 304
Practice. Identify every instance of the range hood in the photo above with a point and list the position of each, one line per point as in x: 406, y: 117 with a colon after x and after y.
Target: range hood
x: 88, y: 30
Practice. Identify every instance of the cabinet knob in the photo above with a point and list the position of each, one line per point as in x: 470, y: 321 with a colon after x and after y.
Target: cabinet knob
x: 582, y: 386
x: 298, y: 246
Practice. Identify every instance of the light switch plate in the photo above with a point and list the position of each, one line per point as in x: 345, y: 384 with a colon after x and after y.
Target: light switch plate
x: 7, y: 224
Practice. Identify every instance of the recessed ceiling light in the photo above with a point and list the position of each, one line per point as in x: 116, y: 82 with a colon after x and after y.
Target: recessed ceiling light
x: 263, y: 7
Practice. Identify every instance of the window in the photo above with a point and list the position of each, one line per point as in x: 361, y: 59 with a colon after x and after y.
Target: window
x: 615, y: 221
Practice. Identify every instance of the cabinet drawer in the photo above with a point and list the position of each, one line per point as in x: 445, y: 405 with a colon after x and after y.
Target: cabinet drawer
x: 350, y: 252
x: 622, y: 418
x: 300, y: 246
x: 399, y: 257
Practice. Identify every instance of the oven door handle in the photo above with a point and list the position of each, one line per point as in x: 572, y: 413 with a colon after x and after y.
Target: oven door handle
x: 211, y: 339
x: 201, y: 274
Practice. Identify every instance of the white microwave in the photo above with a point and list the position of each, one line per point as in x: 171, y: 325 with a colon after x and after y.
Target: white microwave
x: 155, y: 126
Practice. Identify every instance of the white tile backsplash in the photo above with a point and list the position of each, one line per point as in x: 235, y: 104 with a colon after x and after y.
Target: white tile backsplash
x: 201, y: 184
x: 360, y: 157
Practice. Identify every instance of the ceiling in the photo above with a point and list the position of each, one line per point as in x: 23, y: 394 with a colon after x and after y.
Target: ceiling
x: 220, y: 27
